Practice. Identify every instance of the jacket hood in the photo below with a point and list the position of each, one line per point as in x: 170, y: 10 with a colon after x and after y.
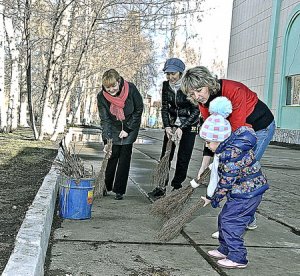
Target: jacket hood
x: 244, y: 138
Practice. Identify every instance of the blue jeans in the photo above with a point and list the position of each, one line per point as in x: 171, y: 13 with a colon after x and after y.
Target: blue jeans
x: 264, y: 137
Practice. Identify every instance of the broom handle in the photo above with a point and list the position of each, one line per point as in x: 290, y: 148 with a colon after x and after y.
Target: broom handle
x: 169, y: 146
x: 170, y: 141
x: 107, y: 154
x: 195, y: 183
x: 203, y: 176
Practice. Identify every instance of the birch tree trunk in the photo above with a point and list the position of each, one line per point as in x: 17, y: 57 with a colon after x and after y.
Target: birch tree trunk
x: 3, y: 108
x: 75, y: 74
x: 78, y: 103
x: 55, y: 54
x: 87, y: 104
x: 28, y: 66
x: 23, y: 110
x: 77, y: 115
x: 15, y: 81
x: 87, y: 109
x: 46, y: 94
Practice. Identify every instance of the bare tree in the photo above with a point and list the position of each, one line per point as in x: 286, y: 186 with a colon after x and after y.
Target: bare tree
x: 28, y: 45
x: 68, y: 45
x: 13, y: 108
x: 3, y: 109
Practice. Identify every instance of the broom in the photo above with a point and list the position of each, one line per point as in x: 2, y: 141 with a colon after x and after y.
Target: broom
x: 100, y: 179
x: 161, y: 172
x: 174, y: 202
x: 172, y: 227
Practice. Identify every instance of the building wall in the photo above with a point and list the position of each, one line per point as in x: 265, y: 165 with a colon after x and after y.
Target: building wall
x: 257, y: 55
x: 249, y: 42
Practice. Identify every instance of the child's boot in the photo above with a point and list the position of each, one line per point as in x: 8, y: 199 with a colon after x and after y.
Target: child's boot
x: 226, y: 263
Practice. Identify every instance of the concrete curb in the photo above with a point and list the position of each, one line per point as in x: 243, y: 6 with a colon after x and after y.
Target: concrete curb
x: 31, y: 243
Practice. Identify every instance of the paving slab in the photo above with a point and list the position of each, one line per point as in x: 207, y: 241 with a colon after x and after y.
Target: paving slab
x: 120, y: 239
x: 127, y: 259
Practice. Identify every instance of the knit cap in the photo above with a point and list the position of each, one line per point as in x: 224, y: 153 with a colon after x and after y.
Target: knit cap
x: 216, y: 128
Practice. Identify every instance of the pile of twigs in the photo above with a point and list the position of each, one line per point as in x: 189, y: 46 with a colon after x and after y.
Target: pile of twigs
x: 71, y: 165
x: 100, y: 179
x: 172, y: 204
x: 172, y: 227
x: 161, y: 172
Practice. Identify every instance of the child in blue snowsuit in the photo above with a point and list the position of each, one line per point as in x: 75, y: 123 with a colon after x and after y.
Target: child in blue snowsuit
x: 240, y: 180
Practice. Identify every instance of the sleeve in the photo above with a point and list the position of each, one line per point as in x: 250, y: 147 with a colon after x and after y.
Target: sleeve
x: 165, y: 106
x: 207, y: 151
x: 194, y: 116
x: 228, y: 173
x: 105, y: 119
x: 138, y: 109
x: 214, y: 178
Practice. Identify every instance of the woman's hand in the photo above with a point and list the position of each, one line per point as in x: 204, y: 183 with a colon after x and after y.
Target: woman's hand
x: 178, y: 134
x: 205, y: 163
x: 206, y: 201
x: 105, y: 150
x: 169, y: 132
x: 123, y: 134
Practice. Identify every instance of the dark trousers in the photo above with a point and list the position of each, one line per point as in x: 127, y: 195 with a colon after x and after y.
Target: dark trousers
x: 236, y: 214
x: 117, y: 170
x: 184, y: 154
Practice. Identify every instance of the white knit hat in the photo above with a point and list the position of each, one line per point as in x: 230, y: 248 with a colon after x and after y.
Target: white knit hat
x: 216, y: 128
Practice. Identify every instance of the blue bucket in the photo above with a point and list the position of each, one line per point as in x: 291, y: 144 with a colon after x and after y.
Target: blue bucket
x: 76, y: 198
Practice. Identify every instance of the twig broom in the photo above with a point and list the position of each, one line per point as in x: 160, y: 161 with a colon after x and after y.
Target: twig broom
x: 172, y: 227
x: 161, y: 172
x: 172, y: 204
x: 100, y: 179
x: 71, y: 165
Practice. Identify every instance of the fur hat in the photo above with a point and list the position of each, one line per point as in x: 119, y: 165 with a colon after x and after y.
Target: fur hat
x: 216, y: 128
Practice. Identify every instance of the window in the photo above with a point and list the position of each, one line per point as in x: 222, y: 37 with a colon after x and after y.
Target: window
x: 293, y: 90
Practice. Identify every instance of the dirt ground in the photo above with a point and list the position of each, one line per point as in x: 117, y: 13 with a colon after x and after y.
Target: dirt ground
x: 24, y: 163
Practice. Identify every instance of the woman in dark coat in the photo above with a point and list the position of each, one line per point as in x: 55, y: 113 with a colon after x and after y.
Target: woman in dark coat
x: 120, y: 108
x: 178, y: 114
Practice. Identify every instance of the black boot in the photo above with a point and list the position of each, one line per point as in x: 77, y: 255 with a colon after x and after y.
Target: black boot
x: 157, y: 193
x: 118, y: 196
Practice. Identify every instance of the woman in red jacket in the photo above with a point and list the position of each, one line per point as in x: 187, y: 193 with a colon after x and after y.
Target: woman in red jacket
x: 202, y: 87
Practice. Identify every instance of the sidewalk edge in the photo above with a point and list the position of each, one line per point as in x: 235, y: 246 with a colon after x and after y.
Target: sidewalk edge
x: 31, y: 243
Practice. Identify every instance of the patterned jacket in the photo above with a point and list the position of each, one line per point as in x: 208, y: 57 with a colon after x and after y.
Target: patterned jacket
x: 240, y: 174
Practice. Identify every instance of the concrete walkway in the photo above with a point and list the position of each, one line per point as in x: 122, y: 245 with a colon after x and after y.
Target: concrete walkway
x: 119, y: 239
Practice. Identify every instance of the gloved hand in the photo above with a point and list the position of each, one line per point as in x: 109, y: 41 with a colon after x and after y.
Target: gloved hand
x: 123, y: 134
x: 215, y: 204
x: 169, y: 132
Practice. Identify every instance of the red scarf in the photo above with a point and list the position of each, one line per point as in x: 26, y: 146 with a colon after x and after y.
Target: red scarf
x: 117, y: 103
